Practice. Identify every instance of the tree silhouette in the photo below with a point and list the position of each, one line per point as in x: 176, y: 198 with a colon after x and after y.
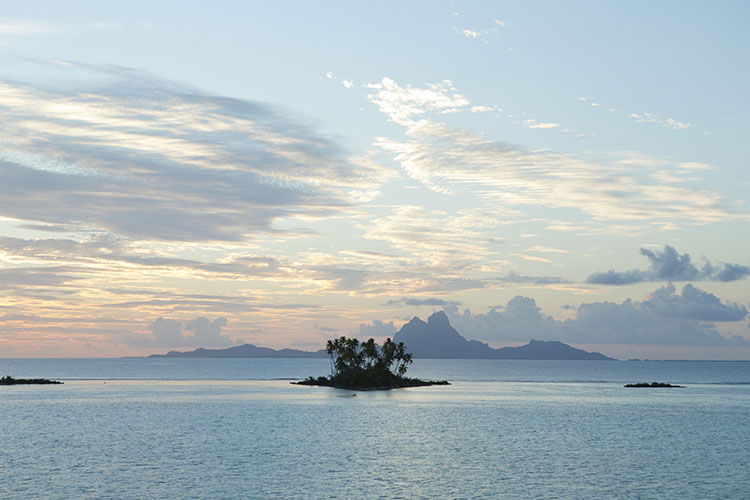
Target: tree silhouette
x: 355, y: 363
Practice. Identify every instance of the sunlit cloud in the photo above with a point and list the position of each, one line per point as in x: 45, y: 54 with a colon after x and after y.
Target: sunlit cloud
x: 533, y: 124
x: 400, y: 104
x: 644, y: 116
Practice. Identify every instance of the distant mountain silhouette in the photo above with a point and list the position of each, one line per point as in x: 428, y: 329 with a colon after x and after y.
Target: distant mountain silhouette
x: 434, y: 339
x: 243, y: 351
x: 438, y: 339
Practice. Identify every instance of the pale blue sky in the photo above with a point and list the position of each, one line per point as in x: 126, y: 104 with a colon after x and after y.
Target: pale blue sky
x: 308, y: 169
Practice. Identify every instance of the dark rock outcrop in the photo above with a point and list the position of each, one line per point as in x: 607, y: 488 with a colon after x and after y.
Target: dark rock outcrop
x: 652, y: 384
x: 8, y: 380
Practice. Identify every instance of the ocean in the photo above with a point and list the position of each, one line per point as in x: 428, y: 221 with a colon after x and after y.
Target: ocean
x: 237, y: 429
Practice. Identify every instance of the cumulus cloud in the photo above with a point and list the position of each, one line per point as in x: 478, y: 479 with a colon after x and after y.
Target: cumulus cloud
x: 669, y: 265
x: 376, y: 328
x: 198, y: 332
x: 665, y: 317
x: 117, y: 150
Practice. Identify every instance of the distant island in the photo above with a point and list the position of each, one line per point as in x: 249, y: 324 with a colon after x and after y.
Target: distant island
x: 8, y: 380
x: 435, y: 338
x: 366, y: 366
x: 243, y: 351
x: 653, y: 384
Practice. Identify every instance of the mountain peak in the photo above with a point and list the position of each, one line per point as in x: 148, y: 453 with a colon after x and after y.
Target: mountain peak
x: 438, y: 319
x: 436, y: 338
x: 416, y: 320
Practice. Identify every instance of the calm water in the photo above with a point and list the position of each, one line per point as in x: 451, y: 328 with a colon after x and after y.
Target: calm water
x: 235, y: 429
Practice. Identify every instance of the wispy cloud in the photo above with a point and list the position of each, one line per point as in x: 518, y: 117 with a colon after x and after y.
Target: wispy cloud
x: 136, y: 155
x: 446, y: 159
x: 647, y: 117
x: 533, y: 124
x: 412, y: 301
x: 26, y: 27
x: 517, y: 278
x: 543, y: 249
x: 481, y: 34
x: 437, y: 241
x: 643, y: 116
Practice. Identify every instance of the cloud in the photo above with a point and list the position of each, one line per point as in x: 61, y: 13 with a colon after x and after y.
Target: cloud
x: 25, y: 27
x: 437, y: 240
x: 406, y: 301
x: 513, y: 277
x: 376, y: 329
x: 647, y: 117
x: 198, y: 332
x: 669, y: 265
x: 121, y: 151
x: 543, y: 249
x: 533, y: 124
x: 107, y: 267
x: 483, y: 34
x: 19, y: 278
x: 663, y: 318
x: 401, y: 104
x: 447, y: 160
x: 468, y: 33
x: 483, y: 109
x: 644, y: 117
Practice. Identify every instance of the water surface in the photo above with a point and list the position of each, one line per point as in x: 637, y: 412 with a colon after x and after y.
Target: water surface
x: 192, y: 429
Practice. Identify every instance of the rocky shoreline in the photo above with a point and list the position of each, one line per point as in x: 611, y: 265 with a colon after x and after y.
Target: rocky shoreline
x: 8, y: 380
x: 653, y: 384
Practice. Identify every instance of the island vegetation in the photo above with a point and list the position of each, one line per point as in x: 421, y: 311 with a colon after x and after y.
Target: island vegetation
x: 652, y: 384
x: 8, y: 380
x: 367, y: 366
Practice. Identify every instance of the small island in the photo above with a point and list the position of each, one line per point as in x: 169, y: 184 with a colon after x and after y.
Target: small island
x: 366, y: 366
x: 652, y: 384
x: 8, y: 380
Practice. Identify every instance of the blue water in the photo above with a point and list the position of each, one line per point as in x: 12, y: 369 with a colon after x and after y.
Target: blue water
x: 235, y: 429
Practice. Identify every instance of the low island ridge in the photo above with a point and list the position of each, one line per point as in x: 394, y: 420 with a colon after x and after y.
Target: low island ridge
x: 435, y: 338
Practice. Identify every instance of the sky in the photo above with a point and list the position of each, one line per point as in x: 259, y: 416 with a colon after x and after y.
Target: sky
x: 183, y: 174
